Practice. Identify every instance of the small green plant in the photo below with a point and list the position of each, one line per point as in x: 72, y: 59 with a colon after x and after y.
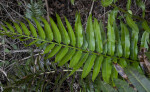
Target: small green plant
x: 35, y: 9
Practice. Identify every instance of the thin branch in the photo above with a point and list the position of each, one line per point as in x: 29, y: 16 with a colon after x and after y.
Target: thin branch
x: 7, y: 11
x: 30, y: 56
x: 47, y: 8
x: 23, y: 60
x: 22, y: 51
x: 1, y: 70
x: 79, y: 70
x: 91, y: 7
x: 104, y: 17
x: 4, y: 49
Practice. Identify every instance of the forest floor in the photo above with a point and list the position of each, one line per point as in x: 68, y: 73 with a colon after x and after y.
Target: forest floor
x: 14, y: 50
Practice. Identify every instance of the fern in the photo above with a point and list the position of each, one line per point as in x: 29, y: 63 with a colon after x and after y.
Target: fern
x: 35, y: 9
x: 123, y: 86
x: 138, y: 80
x: 91, y: 49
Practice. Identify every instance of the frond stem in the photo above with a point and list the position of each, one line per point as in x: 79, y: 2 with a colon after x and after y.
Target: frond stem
x: 60, y: 44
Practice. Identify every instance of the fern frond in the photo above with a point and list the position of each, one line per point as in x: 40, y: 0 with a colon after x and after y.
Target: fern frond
x: 123, y: 86
x: 91, y: 49
x: 34, y: 9
x: 138, y: 80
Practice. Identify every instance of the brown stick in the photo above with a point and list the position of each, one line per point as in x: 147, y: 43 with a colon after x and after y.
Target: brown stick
x: 47, y: 8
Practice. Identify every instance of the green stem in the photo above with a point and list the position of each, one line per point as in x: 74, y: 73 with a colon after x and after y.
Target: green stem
x: 86, y: 51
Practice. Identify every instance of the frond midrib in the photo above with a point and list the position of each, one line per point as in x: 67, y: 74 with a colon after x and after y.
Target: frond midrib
x: 86, y: 51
